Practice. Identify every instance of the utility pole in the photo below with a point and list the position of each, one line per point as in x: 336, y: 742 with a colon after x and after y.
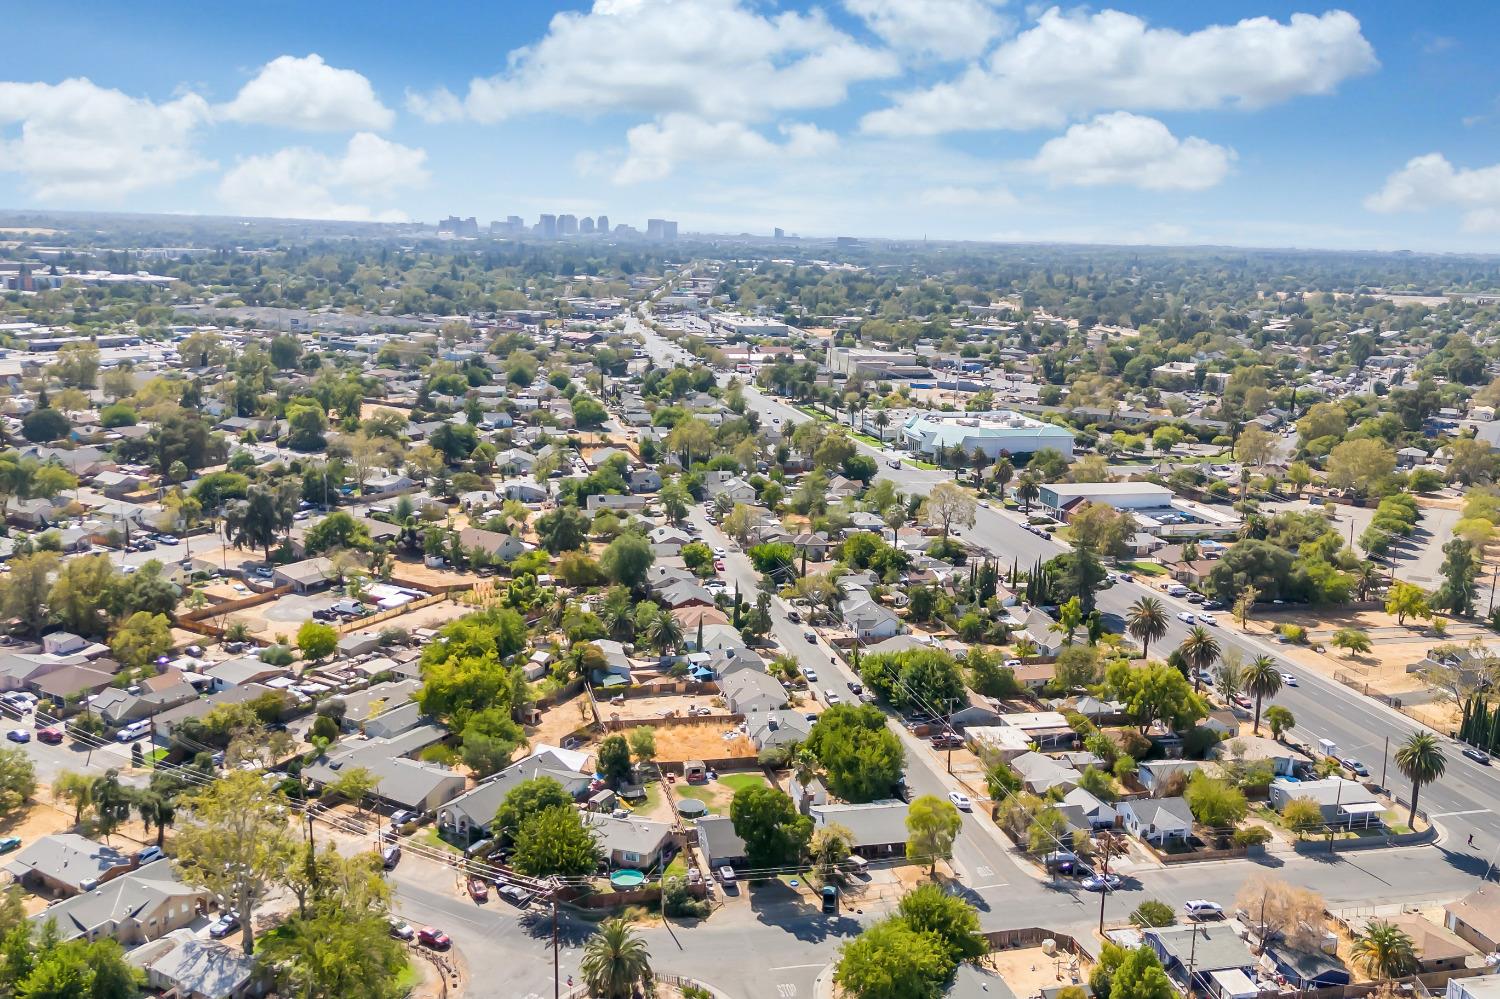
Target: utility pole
x: 1106, y: 846
x: 556, y: 983
x: 1385, y: 759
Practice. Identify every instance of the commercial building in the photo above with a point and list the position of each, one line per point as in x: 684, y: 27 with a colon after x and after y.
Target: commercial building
x: 995, y: 433
x: 1059, y: 496
x: 661, y: 229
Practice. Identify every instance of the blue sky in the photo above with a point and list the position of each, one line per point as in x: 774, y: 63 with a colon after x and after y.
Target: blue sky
x: 1374, y: 125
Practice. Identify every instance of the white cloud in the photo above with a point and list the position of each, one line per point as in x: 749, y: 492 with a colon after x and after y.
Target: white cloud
x: 952, y: 196
x: 435, y: 106
x: 310, y: 95
x: 1430, y: 181
x: 1073, y: 64
x: 297, y: 182
x: 1125, y: 148
x: 718, y: 59
x: 655, y: 148
x: 947, y: 29
x: 80, y: 142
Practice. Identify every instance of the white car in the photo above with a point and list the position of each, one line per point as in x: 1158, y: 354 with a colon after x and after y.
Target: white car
x: 1186, y: 617
x: 830, y: 697
x: 1202, y: 908
x: 720, y: 553
x: 961, y: 801
x: 1288, y: 679
x: 1209, y: 620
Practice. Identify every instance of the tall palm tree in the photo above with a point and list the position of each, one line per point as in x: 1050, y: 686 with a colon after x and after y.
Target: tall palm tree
x: 1366, y: 578
x: 156, y: 809
x: 1385, y: 951
x: 665, y: 632
x: 882, y: 420
x: 1421, y: 761
x: 1200, y: 650
x: 1027, y: 489
x: 1146, y: 621
x: 615, y: 961
x: 1262, y: 679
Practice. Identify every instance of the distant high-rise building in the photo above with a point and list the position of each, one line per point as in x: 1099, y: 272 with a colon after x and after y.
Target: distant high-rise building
x: 779, y: 234
x: 567, y: 225
x: 661, y: 229
x: 455, y: 226
x: 603, y: 224
x: 546, y: 226
x: 586, y: 226
x: 513, y: 225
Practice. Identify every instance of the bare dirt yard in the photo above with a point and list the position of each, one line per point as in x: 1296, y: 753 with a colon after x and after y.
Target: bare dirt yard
x: 567, y: 718
x: 677, y: 742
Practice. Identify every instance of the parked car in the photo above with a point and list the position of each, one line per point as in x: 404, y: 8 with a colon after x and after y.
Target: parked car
x: 1202, y: 908
x: 10, y: 843
x: 961, y: 801
x: 1355, y: 766
x: 726, y: 874
x: 52, y: 735
x: 431, y: 936
x: 146, y: 856
x: 830, y: 898
x: 1477, y: 755
x: 478, y: 891
x: 401, y: 930
x: 947, y: 740
x: 855, y: 688
x: 1208, y: 619
x: 224, y: 925
x: 1186, y: 617
x: 893, y: 462
x: 811, y: 675
x: 809, y: 636
x: 1101, y: 882
x: 829, y: 697
x: 18, y: 735
x: 513, y: 893
x: 794, y: 617
x: 390, y: 856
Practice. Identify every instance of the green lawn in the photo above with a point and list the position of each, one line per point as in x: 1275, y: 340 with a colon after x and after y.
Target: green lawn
x: 410, y: 978
x: 1144, y: 568
x: 678, y: 868
x: 430, y: 837
x: 155, y: 756
x: 737, y: 782
x: 925, y: 466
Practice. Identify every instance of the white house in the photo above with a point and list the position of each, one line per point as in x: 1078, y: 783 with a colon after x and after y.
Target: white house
x: 1157, y: 819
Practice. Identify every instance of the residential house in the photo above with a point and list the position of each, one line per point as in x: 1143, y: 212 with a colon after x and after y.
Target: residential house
x: 1342, y: 802
x: 471, y: 813
x: 769, y: 729
x: 632, y: 843
x: 719, y: 842
x: 243, y: 670
x: 1305, y: 968
x: 499, y: 547
x: 748, y: 691
x: 1437, y: 948
x: 1157, y: 819
x: 1048, y: 729
x: 1099, y: 814
x: 306, y: 576
x: 402, y: 782
x: 1042, y: 773
x: 135, y: 907
x: 1257, y: 749
x: 1477, y: 987
x: 1159, y: 776
x: 190, y: 967
x: 65, y: 864
x: 1475, y: 919
x: 1199, y: 950
x: 870, y: 621
x: 878, y: 827
x: 724, y: 483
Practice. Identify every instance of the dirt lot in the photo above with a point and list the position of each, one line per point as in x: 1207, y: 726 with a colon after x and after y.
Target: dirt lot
x: 1027, y: 971
x: 676, y: 743
x: 562, y: 720
x: 717, y: 794
x: 417, y: 574
x: 284, y: 615
x: 637, y: 708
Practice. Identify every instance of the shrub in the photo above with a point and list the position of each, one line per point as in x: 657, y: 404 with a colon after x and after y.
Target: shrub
x: 1153, y: 913
x: 1251, y: 836
x: 676, y: 901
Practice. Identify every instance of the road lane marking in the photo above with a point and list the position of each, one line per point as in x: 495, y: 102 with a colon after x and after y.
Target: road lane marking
x: 1472, y: 811
x: 997, y: 884
x: 795, y: 967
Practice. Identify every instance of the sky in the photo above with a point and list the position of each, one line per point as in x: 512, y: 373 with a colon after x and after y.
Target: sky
x: 1371, y: 126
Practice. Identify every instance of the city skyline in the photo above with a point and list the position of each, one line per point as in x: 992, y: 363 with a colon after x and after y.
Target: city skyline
x: 1229, y: 124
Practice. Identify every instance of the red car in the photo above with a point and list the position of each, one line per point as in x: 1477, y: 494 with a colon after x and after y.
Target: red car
x: 429, y: 936
x: 52, y: 734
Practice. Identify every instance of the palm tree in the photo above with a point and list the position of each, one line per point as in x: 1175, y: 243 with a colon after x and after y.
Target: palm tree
x: 665, y: 632
x: 1200, y: 650
x: 1027, y: 489
x: 1146, y: 621
x: 1385, y: 951
x: 155, y: 809
x: 882, y: 420
x: 615, y: 961
x: 1262, y: 679
x: 1420, y: 760
x: 1366, y: 578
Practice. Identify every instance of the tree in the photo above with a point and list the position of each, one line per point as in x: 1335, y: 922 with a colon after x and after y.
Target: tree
x: 1385, y: 951
x: 948, y: 505
x: 1146, y: 621
x: 861, y: 758
x: 1028, y: 488
x: 1275, y: 908
x: 1301, y: 814
x: 932, y: 824
x: 342, y: 947
x: 1101, y: 528
x: 24, y: 590
x: 1421, y: 761
x: 775, y: 834
x: 17, y: 780
x: 1457, y: 593
x: 1153, y: 913
x: 890, y: 960
x: 337, y: 530
x: 664, y: 632
x: 642, y: 744
x: 80, y: 595
x: 564, y: 529
x: 1001, y: 781
x: 613, y: 760
x: 1154, y: 692
x: 354, y: 785
x: 1200, y: 650
x: 555, y: 841
x: 1262, y: 679
x: 1280, y: 719
x: 1070, y: 617
x: 615, y: 961
x: 141, y: 639
x: 1215, y: 802
x: 1140, y: 976
x: 929, y: 909
x: 266, y: 512
x: 627, y: 560
x: 829, y: 847
x: 111, y: 802
x: 1351, y: 640
x: 44, y: 968
x: 1244, y: 605
x: 1406, y: 600
x: 77, y: 789
x: 236, y: 843
x: 316, y: 640
x: 41, y: 426
x: 1255, y: 446
x: 157, y: 809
